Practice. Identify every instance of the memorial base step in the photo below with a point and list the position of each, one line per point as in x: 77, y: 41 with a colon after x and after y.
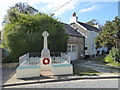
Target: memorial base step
x: 46, y: 72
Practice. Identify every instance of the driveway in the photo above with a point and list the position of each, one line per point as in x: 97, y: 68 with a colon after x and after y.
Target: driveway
x: 98, y: 67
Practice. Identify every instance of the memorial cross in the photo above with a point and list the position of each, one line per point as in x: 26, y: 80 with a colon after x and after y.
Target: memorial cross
x: 45, y: 34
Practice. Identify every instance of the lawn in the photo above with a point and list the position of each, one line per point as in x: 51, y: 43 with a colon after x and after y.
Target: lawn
x: 81, y: 70
x: 98, y: 59
x: 116, y: 64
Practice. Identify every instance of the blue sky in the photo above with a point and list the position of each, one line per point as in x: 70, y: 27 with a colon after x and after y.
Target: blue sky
x: 101, y: 11
x: 86, y: 11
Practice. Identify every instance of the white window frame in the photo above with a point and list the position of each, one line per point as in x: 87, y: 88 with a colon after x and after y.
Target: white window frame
x: 72, y: 48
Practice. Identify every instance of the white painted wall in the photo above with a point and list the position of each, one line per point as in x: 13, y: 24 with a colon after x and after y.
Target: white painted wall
x: 59, y: 69
x: 90, y: 42
x: 62, y: 70
x: 25, y: 73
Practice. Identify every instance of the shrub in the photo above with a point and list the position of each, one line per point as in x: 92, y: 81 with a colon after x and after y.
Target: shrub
x: 9, y: 59
x: 108, y: 59
x: 114, y: 55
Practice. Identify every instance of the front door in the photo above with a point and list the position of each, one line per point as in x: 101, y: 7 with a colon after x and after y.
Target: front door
x: 72, y: 51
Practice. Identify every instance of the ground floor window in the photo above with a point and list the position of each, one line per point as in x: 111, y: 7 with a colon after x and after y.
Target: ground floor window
x: 71, y: 47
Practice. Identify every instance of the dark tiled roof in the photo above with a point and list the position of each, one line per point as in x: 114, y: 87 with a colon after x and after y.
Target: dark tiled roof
x: 89, y: 27
x: 71, y: 31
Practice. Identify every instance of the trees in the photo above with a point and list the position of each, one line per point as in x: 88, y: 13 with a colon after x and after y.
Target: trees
x: 94, y: 22
x: 110, y: 34
x: 24, y: 34
x: 18, y: 8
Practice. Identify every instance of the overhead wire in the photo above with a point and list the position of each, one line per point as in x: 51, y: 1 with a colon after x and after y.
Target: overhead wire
x: 60, y: 7
x: 52, y: 14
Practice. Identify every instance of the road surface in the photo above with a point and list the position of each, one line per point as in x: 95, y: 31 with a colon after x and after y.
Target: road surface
x: 92, y: 83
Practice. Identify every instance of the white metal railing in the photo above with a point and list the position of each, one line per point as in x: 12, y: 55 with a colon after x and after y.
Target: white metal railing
x: 66, y: 57
x: 26, y: 60
x: 23, y: 58
x: 34, y: 60
x: 63, y: 59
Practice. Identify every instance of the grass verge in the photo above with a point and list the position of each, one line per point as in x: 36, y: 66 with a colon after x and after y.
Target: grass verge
x: 100, y: 60
x: 80, y: 70
x: 116, y: 64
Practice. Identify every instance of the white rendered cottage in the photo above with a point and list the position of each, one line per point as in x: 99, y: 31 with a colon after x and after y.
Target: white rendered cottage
x: 90, y: 33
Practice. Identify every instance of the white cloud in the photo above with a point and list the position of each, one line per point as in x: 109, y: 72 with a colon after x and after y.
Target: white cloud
x: 68, y: 7
x: 50, y: 5
x: 54, y: 6
x: 0, y: 27
x: 89, y: 9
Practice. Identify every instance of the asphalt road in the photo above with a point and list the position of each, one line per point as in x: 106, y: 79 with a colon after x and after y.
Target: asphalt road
x: 96, y: 83
x: 7, y: 74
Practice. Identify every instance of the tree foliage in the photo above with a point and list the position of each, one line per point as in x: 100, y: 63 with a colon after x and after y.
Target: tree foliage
x: 18, y: 8
x: 110, y: 34
x: 24, y: 34
x: 92, y: 22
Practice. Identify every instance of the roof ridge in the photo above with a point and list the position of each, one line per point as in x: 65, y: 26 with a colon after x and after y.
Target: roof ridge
x: 88, y: 26
x: 72, y: 31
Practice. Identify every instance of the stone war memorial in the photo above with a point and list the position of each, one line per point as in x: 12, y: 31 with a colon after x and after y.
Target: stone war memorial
x: 45, y: 65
